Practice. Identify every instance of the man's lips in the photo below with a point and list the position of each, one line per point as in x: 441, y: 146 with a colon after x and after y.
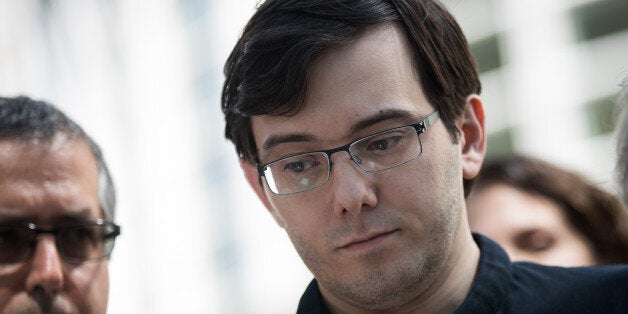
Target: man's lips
x: 367, y: 241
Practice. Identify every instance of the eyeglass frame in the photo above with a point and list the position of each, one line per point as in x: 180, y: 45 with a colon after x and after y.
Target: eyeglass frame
x: 55, y: 232
x: 420, y: 128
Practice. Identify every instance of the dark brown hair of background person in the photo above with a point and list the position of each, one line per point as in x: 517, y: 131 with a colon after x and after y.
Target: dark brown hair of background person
x: 594, y: 212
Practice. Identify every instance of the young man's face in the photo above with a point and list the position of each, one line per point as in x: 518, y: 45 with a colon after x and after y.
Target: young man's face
x: 374, y: 239
x: 50, y: 186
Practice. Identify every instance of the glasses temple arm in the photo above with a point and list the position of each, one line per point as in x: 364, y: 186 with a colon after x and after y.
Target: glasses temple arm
x: 431, y: 119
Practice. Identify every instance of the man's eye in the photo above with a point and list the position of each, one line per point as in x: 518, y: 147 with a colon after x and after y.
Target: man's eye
x: 80, y: 235
x: 536, y: 241
x: 299, y: 166
x: 384, y: 144
x: 8, y: 236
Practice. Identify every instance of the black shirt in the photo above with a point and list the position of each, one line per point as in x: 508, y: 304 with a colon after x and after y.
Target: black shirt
x: 501, y: 286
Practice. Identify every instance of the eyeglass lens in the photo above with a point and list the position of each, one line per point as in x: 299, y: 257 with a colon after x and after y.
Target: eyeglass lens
x: 373, y: 153
x: 75, y: 244
x: 298, y: 173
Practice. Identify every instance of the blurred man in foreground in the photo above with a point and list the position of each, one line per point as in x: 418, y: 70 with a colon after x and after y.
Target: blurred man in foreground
x: 56, y: 213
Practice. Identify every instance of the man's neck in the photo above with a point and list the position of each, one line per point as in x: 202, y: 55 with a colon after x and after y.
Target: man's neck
x: 456, y: 286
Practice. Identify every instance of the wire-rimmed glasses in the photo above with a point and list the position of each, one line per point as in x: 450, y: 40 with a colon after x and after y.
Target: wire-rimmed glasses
x: 77, y: 243
x: 376, y: 152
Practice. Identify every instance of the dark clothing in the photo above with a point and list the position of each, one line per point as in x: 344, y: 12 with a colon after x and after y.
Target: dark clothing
x: 501, y: 286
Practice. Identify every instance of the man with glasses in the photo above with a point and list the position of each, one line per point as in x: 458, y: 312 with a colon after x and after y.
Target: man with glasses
x: 56, y: 213
x: 359, y: 126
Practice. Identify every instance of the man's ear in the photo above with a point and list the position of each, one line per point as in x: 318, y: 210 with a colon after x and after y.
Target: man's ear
x: 251, y: 174
x: 473, y: 141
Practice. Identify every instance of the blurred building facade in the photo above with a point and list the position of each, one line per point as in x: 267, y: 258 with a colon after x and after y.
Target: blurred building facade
x: 550, y: 72
x: 144, y: 78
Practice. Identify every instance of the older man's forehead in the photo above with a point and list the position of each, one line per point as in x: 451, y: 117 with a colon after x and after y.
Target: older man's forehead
x: 58, y: 182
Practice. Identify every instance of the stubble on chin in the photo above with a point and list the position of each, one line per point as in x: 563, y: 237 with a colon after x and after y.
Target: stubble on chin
x: 380, y: 283
x: 384, y: 288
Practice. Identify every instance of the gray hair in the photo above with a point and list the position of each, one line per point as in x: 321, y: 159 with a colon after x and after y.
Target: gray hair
x: 622, y: 141
x: 25, y: 119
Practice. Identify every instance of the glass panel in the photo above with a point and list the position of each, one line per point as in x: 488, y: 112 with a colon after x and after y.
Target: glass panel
x: 499, y: 143
x: 600, y: 18
x: 600, y: 115
x: 486, y: 53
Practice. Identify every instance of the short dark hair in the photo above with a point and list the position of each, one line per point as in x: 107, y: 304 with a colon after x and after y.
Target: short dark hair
x: 25, y: 119
x: 595, y: 213
x: 267, y: 71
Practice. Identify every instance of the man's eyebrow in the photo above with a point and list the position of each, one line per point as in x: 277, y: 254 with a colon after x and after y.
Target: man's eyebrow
x: 288, y: 138
x: 382, y: 115
x: 77, y: 216
x: 385, y: 114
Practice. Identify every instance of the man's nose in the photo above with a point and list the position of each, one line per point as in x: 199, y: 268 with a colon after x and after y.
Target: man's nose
x: 354, y: 189
x: 46, y: 268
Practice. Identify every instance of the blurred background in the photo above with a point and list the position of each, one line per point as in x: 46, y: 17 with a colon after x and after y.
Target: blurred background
x: 144, y: 79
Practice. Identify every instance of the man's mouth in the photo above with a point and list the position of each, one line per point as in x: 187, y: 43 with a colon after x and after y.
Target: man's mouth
x: 368, y: 241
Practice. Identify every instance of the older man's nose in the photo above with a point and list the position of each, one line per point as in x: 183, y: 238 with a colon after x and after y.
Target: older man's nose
x: 46, y: 267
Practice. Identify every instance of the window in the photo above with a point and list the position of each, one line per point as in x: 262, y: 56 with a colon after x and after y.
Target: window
x: 600, y: 18
x: 600, y: 115
x: 486, y: 53
x: 500, y: 143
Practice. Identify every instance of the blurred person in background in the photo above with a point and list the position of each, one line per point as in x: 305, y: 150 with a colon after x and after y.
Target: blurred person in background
x: 357, y: 124
x: 541, y: 213
x: 57, y: 204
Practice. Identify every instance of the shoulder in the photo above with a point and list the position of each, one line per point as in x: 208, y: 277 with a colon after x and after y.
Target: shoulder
x: 501, y: 286
x: 599, y: 289
x: 567, y: 279
x: 312, y: 302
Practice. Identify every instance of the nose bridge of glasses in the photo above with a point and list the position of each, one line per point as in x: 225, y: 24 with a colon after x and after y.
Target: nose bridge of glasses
x: 46, y: 233
x: 344, y: 148
x: 48, y: 242
x: 44, y: 236
x: 55, y: 235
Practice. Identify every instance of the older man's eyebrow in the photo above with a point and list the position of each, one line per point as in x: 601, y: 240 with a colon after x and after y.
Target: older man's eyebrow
x: 287, y: 138
x: 71, y: 217
x: 382, y: 115
x: 78, y: 216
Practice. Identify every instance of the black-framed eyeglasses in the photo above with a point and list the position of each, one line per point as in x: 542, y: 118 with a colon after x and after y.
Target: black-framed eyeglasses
x: 376, y: 152
x: 78, y: 243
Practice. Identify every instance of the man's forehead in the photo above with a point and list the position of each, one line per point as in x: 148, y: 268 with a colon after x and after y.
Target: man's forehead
x: 51, y: 181
x: 36, y: 155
